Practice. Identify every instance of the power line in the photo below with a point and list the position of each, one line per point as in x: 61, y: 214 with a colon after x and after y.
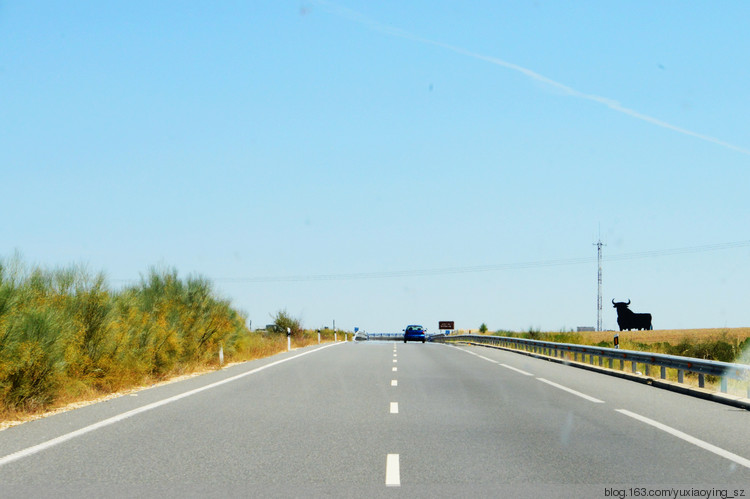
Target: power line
x: 486, y: 268
x: 679, y: 251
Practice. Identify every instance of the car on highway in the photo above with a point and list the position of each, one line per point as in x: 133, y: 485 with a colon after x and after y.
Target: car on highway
x: 414, y: 332
x: 361, y: 336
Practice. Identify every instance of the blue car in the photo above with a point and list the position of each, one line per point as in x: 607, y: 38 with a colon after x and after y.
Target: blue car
x: 414, y: 333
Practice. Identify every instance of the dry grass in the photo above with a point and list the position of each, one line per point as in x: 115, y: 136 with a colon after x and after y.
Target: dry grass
x: 672, y: 336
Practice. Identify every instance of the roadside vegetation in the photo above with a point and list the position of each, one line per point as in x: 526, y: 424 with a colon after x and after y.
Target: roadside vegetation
x: 66, y: 335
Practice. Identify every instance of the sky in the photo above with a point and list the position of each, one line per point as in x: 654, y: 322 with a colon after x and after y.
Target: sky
x: 379, y: 164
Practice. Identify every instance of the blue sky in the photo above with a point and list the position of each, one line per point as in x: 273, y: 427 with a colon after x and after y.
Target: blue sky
x: 464, y: 156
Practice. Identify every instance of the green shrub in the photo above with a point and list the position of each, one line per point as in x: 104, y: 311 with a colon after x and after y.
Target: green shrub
x: 64, y: 328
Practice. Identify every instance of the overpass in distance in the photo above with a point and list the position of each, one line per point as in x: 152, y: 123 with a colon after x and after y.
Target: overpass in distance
x: 381, y: 418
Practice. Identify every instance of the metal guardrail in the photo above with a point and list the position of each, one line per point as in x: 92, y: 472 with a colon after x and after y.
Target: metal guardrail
x: 723, y: 370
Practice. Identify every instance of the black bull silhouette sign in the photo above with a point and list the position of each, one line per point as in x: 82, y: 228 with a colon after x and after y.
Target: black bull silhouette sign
x: 627, y: 319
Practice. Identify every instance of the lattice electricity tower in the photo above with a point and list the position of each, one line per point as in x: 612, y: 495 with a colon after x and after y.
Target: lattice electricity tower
x: 599, y: 245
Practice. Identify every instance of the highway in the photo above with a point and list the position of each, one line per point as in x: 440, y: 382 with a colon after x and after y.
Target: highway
x: 382, y: 419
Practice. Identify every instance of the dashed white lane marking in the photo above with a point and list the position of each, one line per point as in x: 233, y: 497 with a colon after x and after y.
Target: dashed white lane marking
x: 392, y: 472
x: 520, y: 371
x: 394, y: 361
x: 394, y: 369
x: 684, y: 436
x: 394, y: 407
x: 470, y: 353
x: 394, y: 382
x: 570, y: 390
x: 125, y: 415
x: 480, y: 356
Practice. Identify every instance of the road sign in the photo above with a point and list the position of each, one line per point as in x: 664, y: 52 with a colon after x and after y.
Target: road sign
x: 446, y: 325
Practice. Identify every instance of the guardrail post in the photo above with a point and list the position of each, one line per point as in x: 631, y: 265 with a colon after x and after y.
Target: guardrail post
x: 701, y: 380
x: 611, y: 362
x: 723, y: 384
x: 647, y: 369
x: 680, y: 376
x: 634, y: 364
x: 663, y: 372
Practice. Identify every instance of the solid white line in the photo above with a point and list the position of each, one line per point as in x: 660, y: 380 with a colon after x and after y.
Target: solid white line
x: 394, y: 407
x: 120, y: 417
x: 569, y: 390
x: 394, y: 382
x: 516, y: 370
x: 392, y: 472
x: 684, y: 436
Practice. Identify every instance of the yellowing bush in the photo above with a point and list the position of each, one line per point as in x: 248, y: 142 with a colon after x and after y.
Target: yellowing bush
x: 65, y: 328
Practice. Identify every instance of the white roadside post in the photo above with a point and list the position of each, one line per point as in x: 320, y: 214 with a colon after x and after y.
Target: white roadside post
x: 288, y: 339
x: 221, y: 355
x: 318, y: 336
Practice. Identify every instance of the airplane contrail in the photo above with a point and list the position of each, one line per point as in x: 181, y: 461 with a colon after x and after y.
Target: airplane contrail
x: 612, y: 104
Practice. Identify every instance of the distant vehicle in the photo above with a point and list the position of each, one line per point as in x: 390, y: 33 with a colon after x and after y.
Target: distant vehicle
x: 414, y: 332
x: 361, y: 336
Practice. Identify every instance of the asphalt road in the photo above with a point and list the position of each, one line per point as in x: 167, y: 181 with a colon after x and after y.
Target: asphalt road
x: 381, y: 419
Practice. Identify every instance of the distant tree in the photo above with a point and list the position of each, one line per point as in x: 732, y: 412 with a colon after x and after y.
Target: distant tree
x: 483, y: 328
x: 283, y: 320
